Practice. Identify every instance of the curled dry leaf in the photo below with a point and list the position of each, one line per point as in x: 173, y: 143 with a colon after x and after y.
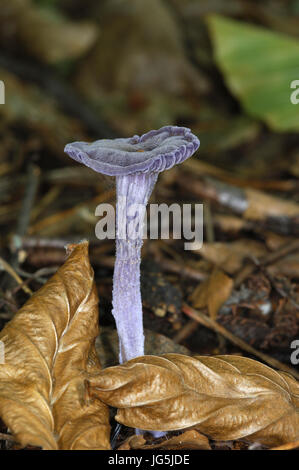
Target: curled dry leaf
x: 49, y: 353
x: 287, y: 266
x: 224, y: 397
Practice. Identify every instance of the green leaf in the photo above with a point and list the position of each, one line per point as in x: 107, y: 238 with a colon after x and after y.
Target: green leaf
x: 259, y: 67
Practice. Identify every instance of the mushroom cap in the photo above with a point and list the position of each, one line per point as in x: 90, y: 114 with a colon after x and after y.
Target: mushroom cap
x: 155, y: 151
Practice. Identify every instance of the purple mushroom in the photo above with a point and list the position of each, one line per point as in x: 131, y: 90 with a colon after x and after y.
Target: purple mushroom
x: 136, y: 163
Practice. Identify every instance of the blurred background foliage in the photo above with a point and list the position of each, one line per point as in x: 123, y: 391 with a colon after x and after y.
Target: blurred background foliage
x: 85, y: 68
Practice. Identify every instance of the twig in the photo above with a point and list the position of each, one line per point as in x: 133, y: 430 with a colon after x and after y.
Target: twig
x: 35, y: 276
x: 281, y: 253
x: 176, y: 267
x: 69, y: 213
x: 6, y: 437
x: 115, y: 435
x: 213, y: 325
x: 186, y: 331
x: 267, y: 260
x: 33, y: 242
x: 5, y: 301
x: 183, y: 271
x: 200, y: 168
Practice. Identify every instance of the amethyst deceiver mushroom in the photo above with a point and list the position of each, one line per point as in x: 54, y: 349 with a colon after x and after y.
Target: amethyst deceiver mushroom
x: 136, y: 163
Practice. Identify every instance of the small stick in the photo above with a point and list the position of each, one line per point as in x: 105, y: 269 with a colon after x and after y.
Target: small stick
x: 28, y: 242
x: 5, y: 316
x: 14, y: 275
x: 201, y: 168
x: 267, y: 260
x: 213, y: 325
x: 183, y: 271
x: 35, y: 276
x: 13, y: 307
x: 176, y: 267
x: 38, y: 275
x: 67, y: 213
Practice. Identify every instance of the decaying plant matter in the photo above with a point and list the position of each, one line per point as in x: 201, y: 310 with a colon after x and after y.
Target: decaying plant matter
x: 49, y: 353
x: 54, y: 395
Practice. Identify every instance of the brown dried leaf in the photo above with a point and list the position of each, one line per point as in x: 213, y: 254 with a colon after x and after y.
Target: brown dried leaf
x: 224, y: 397
x: 230, y: 256
x: 49, y: 353
x: 287, y: 266
x: 213, y: 292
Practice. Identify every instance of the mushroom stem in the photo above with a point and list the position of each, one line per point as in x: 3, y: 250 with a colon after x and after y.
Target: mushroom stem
x: 133, y: 192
